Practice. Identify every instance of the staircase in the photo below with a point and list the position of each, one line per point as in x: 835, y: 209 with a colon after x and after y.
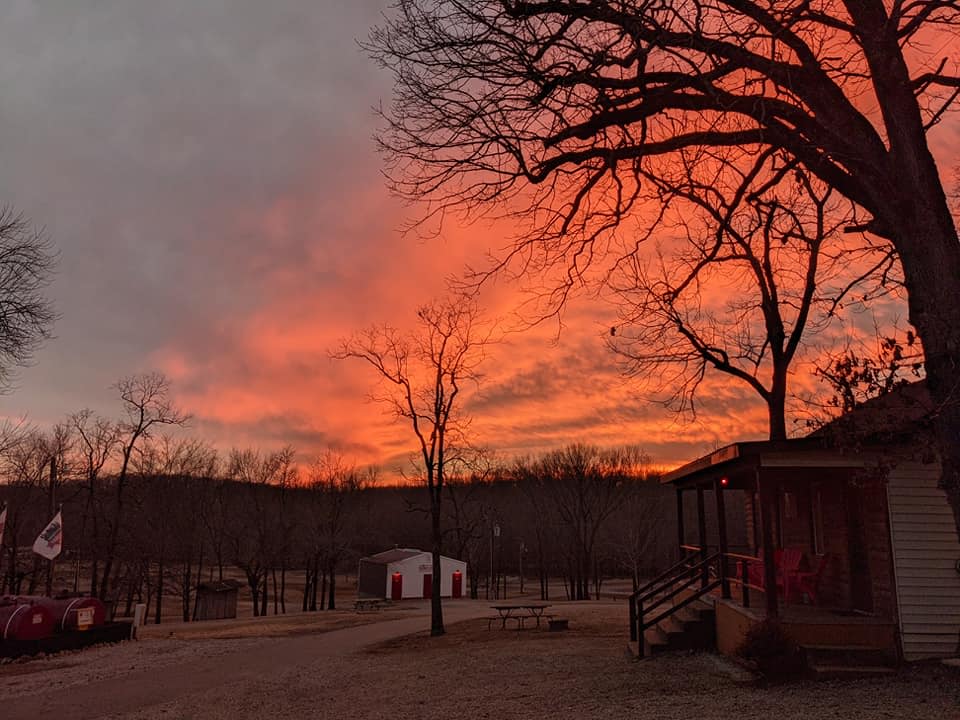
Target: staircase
x: 689, y: 628
x: 675, y: 611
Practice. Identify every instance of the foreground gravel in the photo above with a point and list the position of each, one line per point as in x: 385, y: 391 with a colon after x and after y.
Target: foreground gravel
x: 504, y: 675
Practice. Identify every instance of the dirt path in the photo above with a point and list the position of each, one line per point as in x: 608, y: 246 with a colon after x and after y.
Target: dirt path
x: 391, y: 668
x: 241, y: 664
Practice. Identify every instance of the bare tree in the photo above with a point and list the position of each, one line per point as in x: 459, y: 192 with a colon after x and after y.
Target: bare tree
x: 553, y: 111
x: 171, y: 500
x: 259, y: 542
x: 147, y: 404
x: 425, y: 372
x: 585, y: 485
x: 758, y: 267
x: 27, y: 261
x: 25, y: 463
x: 335, y: 486
x: 96, y: 441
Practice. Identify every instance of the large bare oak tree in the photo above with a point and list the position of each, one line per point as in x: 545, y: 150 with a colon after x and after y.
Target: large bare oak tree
x: 554, y: 109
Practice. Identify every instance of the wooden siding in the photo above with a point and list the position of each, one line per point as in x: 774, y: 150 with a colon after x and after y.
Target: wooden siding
x: 926, y: 548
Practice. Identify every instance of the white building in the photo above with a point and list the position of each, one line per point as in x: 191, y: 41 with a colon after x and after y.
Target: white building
x: 404, y: 573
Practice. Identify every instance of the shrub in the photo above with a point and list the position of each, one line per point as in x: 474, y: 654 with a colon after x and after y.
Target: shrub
x: 772, y: 652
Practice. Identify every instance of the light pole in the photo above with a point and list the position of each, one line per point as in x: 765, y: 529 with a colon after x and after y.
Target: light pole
x: 523, y: 549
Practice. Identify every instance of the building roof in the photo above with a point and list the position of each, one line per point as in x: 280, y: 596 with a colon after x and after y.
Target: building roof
x: 896, y: 418
x: 227, y: 585
x: 396, y: 554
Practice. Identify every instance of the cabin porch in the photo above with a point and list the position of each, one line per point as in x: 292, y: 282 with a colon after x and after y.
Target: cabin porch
x: 820, y: 515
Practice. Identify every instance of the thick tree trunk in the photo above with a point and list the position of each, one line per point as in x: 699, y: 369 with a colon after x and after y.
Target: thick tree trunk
x: 276, y: 594
x: 777, y: 404
x: 932, y: 271
x: 436, y: 606
x: 307, y: 582
x: 323, y: 588
x: 332, y: 597
x: 254, y: 585
x: 912, y: 207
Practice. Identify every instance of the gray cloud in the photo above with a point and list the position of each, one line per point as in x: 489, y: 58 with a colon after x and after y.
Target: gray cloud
x: 151, y: 139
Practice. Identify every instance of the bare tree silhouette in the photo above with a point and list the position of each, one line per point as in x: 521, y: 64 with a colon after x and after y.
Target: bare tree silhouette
x: 27, y: 261
x: 425, y: 373
x: 552, y: 111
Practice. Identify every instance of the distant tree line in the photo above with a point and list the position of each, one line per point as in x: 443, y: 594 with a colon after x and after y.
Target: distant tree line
x: 150, y: 515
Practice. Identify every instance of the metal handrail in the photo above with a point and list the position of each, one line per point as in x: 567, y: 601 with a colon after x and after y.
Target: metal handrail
x: 682, y: 604
x: 661, y: 577
x: 693, y: 570
x: 686, y: 573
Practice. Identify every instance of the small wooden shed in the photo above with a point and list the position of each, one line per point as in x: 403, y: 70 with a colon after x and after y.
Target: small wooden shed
x: 217, y: 600
x: 404, y: 573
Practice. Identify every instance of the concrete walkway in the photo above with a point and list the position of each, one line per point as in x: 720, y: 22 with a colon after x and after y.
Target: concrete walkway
x: 141, y: 690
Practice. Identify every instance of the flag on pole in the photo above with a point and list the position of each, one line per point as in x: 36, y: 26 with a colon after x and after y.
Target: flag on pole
x: 3, y: 521
x: 50, y: 542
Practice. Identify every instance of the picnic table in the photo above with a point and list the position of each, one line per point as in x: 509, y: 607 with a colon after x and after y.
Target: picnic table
x: 367, y: 604
x: 519, y: 613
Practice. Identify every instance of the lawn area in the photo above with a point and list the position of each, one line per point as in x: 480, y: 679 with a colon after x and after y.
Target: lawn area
x: 471, y: 672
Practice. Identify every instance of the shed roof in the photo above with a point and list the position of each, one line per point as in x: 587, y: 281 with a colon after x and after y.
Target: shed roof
x: 396, y: 554
x: 227, y: 585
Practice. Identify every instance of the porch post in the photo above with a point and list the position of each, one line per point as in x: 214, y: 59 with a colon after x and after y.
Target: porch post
x: 768, y: 496
x: 722, y: 530
x: 702, y: 531
x: 681, y: 535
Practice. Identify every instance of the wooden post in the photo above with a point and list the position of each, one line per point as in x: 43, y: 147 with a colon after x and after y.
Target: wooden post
x: 744, y: 579
x: 722, y: 531
x: 51, y: 510
x: 702, y: 531
x: 768, y: 497
x: 139, y: 615
x: 681, y: 535
x: 641, y: 650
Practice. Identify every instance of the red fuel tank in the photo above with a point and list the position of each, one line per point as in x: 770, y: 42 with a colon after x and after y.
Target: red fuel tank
x: 23, y: 620
x: 72, y: 613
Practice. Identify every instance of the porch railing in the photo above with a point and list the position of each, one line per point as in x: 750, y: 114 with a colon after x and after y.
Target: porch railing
x: 742, y: 576
x: 699, y: 569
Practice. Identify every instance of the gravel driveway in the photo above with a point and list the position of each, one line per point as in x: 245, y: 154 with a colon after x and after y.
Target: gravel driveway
x: 390, y: 668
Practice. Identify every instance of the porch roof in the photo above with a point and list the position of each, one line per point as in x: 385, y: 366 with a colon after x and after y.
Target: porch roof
x: 740, y: 462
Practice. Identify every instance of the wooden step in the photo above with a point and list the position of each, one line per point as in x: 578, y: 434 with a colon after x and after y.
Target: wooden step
x: 847, y: 655
x: 845, y: 661
x: 849, y: 672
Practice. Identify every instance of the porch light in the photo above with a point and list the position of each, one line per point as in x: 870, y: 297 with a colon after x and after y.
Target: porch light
x: 724, y: 481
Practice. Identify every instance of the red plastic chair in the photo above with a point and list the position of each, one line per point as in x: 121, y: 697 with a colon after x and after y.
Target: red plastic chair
x: 809, y: 582
x: 788, y: 568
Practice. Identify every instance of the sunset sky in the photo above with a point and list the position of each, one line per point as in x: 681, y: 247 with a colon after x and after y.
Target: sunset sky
x: 208, y: 173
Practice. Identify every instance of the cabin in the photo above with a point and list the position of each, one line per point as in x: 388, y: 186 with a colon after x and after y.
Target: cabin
x: 405, y: 573
x: 864, y: 546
